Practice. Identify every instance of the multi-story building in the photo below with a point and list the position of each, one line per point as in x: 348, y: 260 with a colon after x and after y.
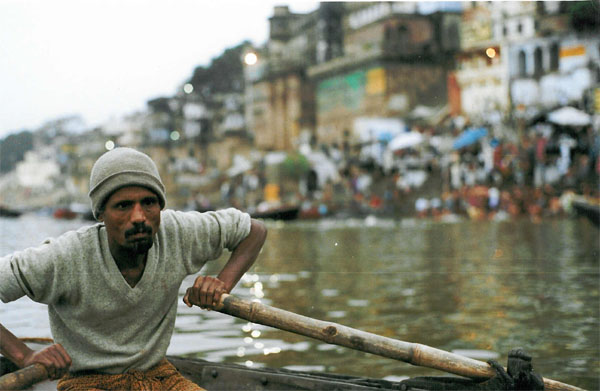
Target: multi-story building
x: 346, y: 62
x: 519, y: 59
x: 394, y: 59
x: 479, y: 84
x: 557, y: 65
x: 279, y: 97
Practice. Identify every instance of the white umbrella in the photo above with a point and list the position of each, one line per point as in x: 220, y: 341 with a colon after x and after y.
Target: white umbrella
x: 569, y: 116
x: 405, y: 140
x: 323, y: 167
x: 240, y: 165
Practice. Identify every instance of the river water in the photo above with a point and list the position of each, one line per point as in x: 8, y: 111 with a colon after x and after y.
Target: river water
x: 475, y: 288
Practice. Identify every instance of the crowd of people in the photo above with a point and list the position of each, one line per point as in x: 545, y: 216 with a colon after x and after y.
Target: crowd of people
x: 496, y: 178
x: 493, y: 177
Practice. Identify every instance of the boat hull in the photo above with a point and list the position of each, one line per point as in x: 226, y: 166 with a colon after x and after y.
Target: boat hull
x: 232, y: 377
x: 283, y: 213
x: 224, y: 377
x: 588, y: 209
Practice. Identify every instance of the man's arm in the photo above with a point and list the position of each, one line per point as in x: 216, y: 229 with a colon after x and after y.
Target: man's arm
x: 206, y: 291
x: 55, y: 358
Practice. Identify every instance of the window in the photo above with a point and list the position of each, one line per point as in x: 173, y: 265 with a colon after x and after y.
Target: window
x: 537, y: 62
x: 522, y: 63
x: 554, y: 51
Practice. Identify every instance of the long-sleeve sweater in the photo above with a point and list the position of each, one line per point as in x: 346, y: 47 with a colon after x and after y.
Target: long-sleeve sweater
x: 104, y: 324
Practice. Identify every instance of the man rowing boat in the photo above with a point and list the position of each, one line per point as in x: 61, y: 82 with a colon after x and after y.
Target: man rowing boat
x: 112, y: 288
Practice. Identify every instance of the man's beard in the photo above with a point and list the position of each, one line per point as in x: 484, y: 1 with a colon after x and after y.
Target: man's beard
x: 143, y: 244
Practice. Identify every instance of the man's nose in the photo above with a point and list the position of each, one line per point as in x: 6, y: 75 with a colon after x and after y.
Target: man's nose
x: 137, y: 213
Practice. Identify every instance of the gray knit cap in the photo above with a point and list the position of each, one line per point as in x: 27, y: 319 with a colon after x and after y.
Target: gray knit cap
x: 122, y: 167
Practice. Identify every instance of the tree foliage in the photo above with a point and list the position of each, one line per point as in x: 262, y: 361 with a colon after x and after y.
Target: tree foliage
x: 584, y: 15
x: 225, y: 73
x: 160, y: 105
x: 295, y: 166
x: 13, y: 149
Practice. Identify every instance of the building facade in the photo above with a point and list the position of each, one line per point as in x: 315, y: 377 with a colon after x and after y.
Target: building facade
x: 345, y: 62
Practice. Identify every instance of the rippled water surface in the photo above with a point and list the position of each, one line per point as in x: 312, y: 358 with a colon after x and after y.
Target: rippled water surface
x: 476, y: 288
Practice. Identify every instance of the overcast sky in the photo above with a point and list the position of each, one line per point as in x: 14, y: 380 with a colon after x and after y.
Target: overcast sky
x: 106, y: 58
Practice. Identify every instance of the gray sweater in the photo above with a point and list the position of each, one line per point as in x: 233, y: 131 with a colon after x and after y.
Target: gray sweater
x: 104, y: 323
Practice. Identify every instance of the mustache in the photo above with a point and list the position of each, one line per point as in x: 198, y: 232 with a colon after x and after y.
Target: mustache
x: 138, y: 229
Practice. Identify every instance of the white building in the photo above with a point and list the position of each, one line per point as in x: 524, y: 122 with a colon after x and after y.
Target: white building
x: 37, y: 172
x: 522, y: 57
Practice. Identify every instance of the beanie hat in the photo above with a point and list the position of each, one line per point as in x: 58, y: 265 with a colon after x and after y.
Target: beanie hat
x: 122, y: 167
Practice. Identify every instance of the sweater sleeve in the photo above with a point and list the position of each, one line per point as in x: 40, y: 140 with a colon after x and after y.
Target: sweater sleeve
x: 34, y: 272
x: 202, y: 237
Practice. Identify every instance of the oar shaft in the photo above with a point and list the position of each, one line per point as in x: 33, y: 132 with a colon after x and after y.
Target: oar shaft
x: 337, y: 334
x: 23, y: 378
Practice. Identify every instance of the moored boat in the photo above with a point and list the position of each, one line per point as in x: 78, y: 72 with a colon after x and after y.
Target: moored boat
x: 285, y: 213
x: 8, y: 212
x: 587, y: 208
x: 64, y: 213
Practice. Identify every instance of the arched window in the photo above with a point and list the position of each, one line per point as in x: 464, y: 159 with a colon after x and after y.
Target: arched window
x: 522, y: 63
x: 554, y: 51
x: 538, y: 66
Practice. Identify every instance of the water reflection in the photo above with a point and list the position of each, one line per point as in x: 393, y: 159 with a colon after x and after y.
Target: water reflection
x: 482, y: 288
x: 479, y: 288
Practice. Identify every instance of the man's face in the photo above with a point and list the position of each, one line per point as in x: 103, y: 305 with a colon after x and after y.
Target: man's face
x: 131, y: 216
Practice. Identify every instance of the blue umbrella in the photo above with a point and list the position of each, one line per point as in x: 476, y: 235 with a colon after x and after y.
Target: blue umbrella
x: 468, y: 137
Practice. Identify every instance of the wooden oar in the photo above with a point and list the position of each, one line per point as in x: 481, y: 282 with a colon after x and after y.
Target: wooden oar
x: 337, y: 334
x: 24, y: 378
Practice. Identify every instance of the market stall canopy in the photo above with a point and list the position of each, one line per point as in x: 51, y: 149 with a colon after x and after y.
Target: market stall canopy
x: 324, y: 167
x: 240, y: 165
x: 405, y: 140
x: 430, y: 115
x: 469, y: 137
x: 569, y: 116
x: 274, y: 158
x: 369, y: 130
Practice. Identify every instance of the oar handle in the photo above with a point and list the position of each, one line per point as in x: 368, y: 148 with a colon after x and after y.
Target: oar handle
x: 337, y: 334
x: 23, y: 378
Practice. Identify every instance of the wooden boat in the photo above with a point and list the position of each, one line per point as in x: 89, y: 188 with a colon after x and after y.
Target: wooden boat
x: 215, y: 376
x: 64, y: 214
x: 218, y: 376
x: 8, y: 212
x: 233, y: 377
x: 285, y: 213
x: 224, y: 377
x: 588, y: 209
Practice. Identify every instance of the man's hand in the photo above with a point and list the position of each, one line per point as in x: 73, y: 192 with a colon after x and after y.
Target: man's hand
x: 205, y: 293
x: 55, y: 358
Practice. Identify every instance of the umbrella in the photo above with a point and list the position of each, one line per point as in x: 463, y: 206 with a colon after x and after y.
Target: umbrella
x: 382, y: 130
x: 405, y: 140
x: 569, y: 116
x: 468, y: 137
x: 240, y: 165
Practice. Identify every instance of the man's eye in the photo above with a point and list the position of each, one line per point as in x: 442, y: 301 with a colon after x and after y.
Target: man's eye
x: 150, y: 201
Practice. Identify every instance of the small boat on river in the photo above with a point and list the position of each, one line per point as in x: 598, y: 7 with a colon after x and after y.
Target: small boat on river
x: 233, y: 377
x: 8, y: 212
x: 587, y: 208
x: 286, y: 213
x: 217, y: 376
